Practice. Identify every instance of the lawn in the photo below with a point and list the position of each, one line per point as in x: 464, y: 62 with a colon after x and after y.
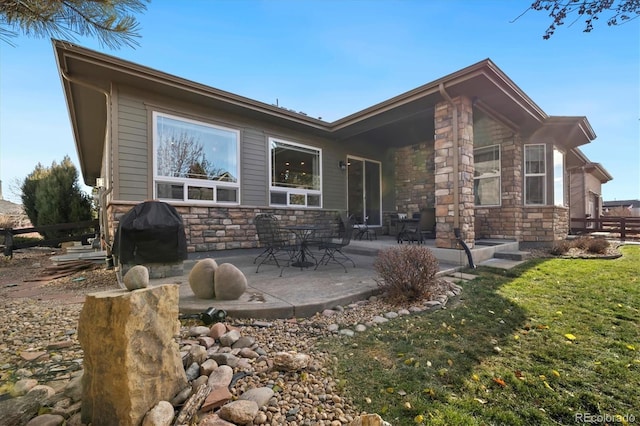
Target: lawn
x: 555, y: 341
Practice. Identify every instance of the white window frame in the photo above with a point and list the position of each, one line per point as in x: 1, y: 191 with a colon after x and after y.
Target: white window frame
x: 559, y: 188
x: 187, y: 183
x: 291, y: 192
x: 531, y: 175
x: 494, y: 175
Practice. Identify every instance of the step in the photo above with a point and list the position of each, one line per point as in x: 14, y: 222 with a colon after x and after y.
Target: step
x: 512, y: 255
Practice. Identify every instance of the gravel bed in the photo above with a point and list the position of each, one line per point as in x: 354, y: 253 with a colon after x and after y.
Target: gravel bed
x: 45, y: 327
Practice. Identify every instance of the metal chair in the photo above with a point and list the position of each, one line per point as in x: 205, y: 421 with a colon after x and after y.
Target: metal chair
x: 274, y: 241
x: 333, y: 247
x: 363, y: 230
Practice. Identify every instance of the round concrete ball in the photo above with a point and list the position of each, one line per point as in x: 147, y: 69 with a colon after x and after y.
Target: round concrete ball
x: 230, y: 282
x: 137, y: 277
x: 201, y: 278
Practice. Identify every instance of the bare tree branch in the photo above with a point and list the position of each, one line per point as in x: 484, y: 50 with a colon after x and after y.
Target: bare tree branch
x: 619, y: 12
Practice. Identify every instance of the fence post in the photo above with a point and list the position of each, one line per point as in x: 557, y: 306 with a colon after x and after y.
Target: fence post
x: 8, y: 242
x: 623, y: 230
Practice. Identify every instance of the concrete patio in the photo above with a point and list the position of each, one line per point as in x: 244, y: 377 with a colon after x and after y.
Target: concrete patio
x: 304, y: 292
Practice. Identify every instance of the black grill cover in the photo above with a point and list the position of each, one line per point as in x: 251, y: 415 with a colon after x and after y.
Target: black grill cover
x: 151, y: 232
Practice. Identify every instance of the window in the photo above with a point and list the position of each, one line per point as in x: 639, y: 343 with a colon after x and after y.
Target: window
x: 534, y: 174
x: 295, y: 178
x: 486, y: 177
x: 195, y: 161
x: 558, y: 177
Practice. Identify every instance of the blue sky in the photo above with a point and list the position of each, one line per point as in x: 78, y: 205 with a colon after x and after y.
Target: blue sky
x: 332, y: 58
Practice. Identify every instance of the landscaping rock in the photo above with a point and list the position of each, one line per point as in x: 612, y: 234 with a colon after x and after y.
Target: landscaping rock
x: 202, y: 277
x: 291, y: 361
x: 136, y: 278
x: 137, y: 330
x: 240, y: 412
x: 230, y: 283
x: 160, y: 415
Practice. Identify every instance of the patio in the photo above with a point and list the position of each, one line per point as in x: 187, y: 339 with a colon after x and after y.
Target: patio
x: 304, y: 292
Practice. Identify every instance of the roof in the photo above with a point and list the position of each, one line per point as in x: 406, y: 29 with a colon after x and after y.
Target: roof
x: 622, y: 203
x: 577, y: 159
x: 88, y: 77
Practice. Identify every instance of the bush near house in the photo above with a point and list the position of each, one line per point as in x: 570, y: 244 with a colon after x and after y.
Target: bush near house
x: 407, y: 272
x: 589, y: 244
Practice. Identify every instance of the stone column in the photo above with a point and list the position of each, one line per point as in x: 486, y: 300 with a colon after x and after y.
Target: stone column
x: 131, y: 358
x: 445, y: 173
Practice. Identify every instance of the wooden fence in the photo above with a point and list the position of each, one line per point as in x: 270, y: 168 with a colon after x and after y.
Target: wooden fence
x: 9, y: 233
x: 623, y: 226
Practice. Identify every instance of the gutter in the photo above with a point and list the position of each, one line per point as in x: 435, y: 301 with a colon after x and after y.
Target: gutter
x: 103, y: 220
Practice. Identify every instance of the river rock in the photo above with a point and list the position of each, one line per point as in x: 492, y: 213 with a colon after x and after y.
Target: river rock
x: 291, y: 361
x: 240, y: 412
x: 160, y: 415
x: 136, y: 278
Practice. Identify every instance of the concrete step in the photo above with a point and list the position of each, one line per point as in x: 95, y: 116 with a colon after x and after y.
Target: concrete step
x: 512, y: 255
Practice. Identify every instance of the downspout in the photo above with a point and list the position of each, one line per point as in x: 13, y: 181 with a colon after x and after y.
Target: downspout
x: 104, y: 222
x: 456, y: 174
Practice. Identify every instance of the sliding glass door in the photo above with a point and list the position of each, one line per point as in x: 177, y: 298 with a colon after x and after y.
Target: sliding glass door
x: 364, y: 190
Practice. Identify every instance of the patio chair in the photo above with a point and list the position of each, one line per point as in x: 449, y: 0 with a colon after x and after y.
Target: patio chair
x: 332, y: 247
x: 422, y: 227
x: 276, y: 244
x: 362, y: 230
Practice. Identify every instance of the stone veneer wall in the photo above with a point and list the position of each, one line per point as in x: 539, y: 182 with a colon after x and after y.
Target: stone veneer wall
x: 504, y: 221
x: 225, y: 228
x: 545, y: 224
x: 444, y: 173
x: 414, y: 184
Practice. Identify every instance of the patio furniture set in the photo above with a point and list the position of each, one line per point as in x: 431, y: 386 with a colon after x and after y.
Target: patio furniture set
x: 319, y: 244
x: 294, y: 245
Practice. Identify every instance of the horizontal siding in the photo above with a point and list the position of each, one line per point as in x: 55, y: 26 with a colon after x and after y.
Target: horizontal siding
x: 254, y: 160
x: 334, y: 180
x: 133, y: 149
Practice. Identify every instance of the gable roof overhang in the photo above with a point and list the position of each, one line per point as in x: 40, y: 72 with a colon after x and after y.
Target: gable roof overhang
x: 88, y: 77
x: 576, y: 159
x: 565, y: 132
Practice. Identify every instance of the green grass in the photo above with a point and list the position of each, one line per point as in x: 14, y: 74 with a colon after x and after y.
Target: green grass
x: 540, y: 344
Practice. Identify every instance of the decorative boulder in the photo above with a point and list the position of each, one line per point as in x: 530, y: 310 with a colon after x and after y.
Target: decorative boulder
x: 201, y: 279
x: 136, y: 278
x: 229, y: 282
x: 131, y: 358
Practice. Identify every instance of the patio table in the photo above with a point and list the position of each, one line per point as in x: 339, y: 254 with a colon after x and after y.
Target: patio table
x: 303, y: 234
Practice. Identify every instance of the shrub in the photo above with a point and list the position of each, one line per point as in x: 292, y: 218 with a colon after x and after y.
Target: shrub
x: 407, y: 272
x: 560, y: 247
x: 52, y: 195
x: 582, y: 243
x: 598, y: 245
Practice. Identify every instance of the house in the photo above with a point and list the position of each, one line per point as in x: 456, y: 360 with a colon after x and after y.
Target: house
x: 471, y: 145
x: 629, y: 208
x: 585, y: 183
